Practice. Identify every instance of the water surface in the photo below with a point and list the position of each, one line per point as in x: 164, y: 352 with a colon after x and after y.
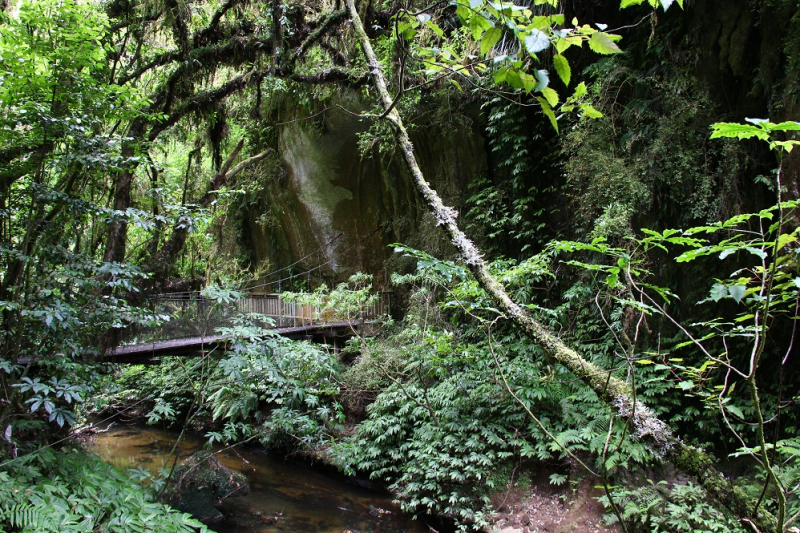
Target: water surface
x: 284, y: 496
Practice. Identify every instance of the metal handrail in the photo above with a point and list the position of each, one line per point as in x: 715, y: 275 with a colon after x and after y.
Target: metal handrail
x: 192, y: 315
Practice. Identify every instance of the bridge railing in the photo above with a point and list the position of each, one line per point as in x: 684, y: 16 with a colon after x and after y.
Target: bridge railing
x: 191, y: 315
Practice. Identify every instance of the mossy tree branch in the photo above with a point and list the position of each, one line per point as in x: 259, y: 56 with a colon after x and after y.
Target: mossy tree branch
x: 176, y: 98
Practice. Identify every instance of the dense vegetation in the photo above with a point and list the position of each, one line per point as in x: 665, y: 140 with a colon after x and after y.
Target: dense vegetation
x: 573, y: 329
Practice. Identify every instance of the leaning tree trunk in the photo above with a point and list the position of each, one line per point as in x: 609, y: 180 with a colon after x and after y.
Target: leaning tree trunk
x: 612, y: 390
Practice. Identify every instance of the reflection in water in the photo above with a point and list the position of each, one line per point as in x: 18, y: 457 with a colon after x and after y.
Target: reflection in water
x: 284, y: 497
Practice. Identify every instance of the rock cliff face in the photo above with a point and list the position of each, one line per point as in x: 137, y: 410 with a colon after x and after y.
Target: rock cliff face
x: 329, y: 206
x: 319, y: 203
x: 748, y: 55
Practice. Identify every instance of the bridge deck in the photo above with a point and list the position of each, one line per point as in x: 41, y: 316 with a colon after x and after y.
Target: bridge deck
x: 192, y: 316
x: 196, y: 346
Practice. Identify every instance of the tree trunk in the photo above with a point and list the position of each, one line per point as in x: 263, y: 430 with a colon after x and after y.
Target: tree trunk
x: 118, y: 232
x: 162, y: 262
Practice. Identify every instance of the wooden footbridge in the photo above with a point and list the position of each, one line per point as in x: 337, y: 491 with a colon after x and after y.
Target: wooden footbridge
x: 192, y: 328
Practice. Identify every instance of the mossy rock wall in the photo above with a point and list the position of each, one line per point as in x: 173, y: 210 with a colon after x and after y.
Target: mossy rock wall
x: 332, y: 206
x: 747, y: 55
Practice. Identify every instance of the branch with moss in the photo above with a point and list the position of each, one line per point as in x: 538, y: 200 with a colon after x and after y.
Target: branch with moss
x: 324, y: 25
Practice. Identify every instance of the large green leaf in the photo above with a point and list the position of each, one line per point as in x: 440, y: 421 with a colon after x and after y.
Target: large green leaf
x: 718, y: 292
x: 737, y: 131
x: 562, y: 68
x: 590, y: 112
x: 478, y: 25
x: 601, y: 43
x: 785, y: 126
x: 490, y: 39
x: 435, y: 28
x: 548, y: 111
x: 529, y: 83
x: 551, y: 96
x: 737, y: 292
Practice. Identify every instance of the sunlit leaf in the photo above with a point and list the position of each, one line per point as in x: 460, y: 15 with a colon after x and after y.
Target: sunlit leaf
x: 435, y: 28
x: 718, y: 291
x: 738, y: 131
x: 551, y: 96
x: 737, y: 292
x: 601, y: 43
x: 548, y: 111
x: 529, y: 83
x: 536, y: 41
x: 490, y: 39
x: 589, y: 111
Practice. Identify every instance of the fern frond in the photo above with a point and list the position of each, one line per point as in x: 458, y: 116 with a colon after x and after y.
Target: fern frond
x: 25, y: 516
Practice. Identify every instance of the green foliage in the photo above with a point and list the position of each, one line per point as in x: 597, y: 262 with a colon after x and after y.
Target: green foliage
x: 765, y: 291
x: 509, y: 208
x: 787, y: 465
x: 653, y: 3
x: 458, y: 398
x: 443, y: 428
x: 293, y: 383
x: 266, y: 387
x: 60, y: 302
x: 761, y: 129
x: 649, y: 158
x: 446, y: 429
x: 505, y: 44
x: 680, y: 508
x: 46, y: 394
x: 346, y: 302
x: 162, y: 394
x: 71, y: 491
x: 766, y: 287
x: 719, y: 360
x: 538, y: 29
x: 375, y: 364
x: 53, y: 57
x: 62, y: 316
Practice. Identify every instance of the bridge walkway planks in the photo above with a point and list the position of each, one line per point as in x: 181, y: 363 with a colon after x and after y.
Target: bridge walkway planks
x: 149, y: 353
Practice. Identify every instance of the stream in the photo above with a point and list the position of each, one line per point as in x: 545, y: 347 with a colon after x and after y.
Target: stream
x: 284, y: 496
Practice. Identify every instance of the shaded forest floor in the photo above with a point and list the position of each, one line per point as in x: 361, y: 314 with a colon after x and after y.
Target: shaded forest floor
x: 545, y: 508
